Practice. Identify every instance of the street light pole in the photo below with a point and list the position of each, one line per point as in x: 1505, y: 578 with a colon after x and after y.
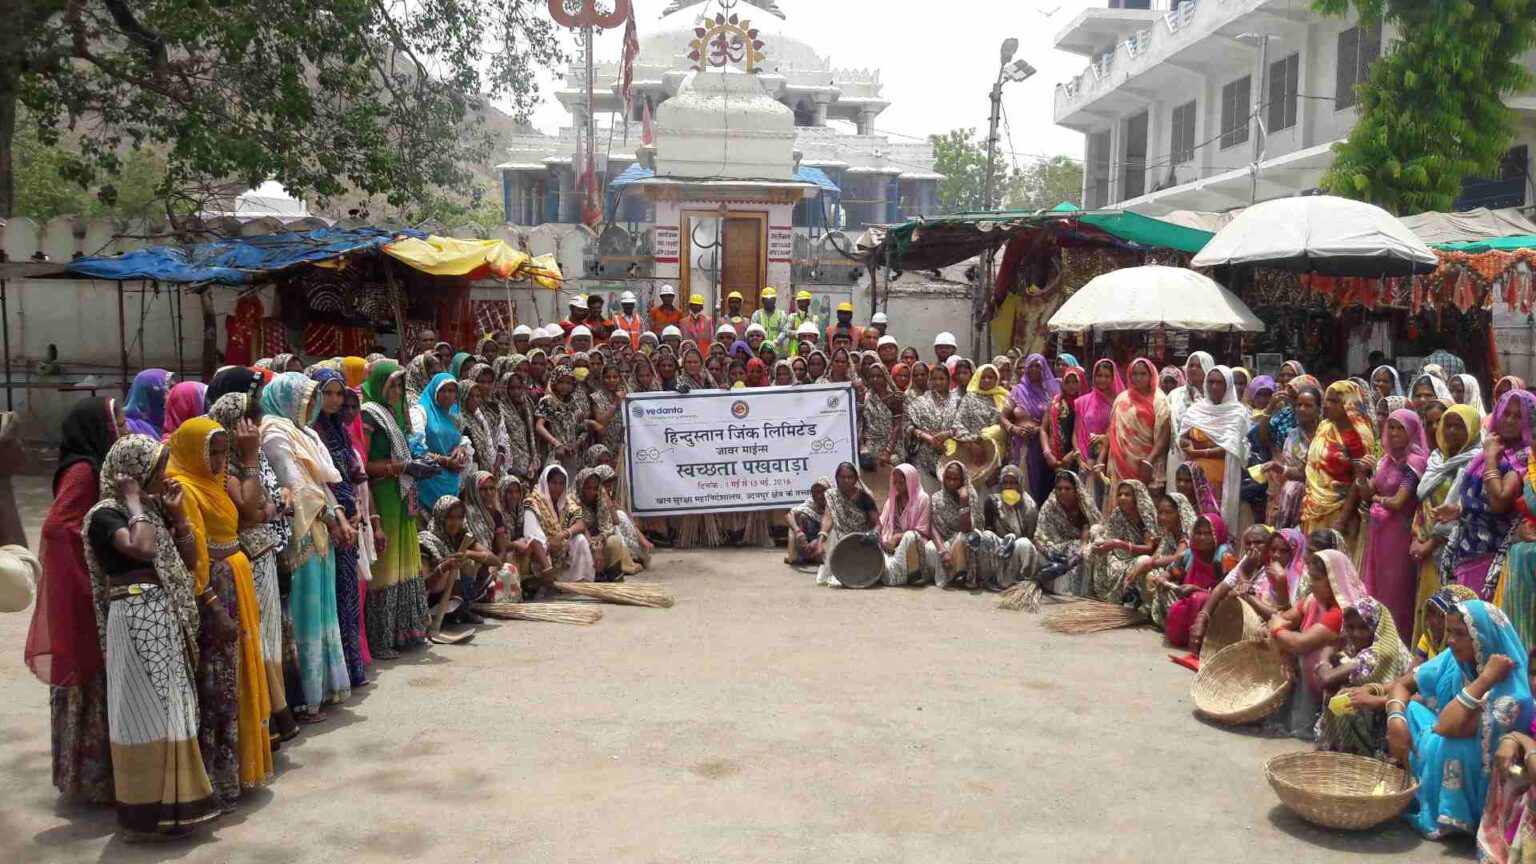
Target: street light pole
x: 981, y: 334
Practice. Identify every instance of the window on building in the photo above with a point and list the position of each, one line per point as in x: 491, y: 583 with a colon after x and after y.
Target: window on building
x: 1358, y: 49
x: 1133, y: 177
x: 1181, y: 147
x: 1234, y: 111
x: 1284, y: 84
x: 1096, y: 172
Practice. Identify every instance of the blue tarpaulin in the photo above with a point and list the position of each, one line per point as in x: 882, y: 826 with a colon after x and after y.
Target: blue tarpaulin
x: 235, y: 260
x: 804, y: 174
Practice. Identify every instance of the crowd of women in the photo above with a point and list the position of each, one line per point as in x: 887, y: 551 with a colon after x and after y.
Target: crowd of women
x: 224, y: 561
x: 1385, y: 536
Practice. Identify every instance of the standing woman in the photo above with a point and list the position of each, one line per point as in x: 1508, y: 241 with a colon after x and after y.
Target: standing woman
x: 930, y: 425
x: 339, y: 445
x: 1138, y: 429
x: 476, y: 426
x: 1488, y: 497
x: 1026, y: 409
x: 396, y: 614
x: 876, y: 421
x: 1390, y: 576
x: 304, y: 467
x: 559, y: 422
x: 144, y: 409
x: 1288, y: 470
x: 1094, y: 410
x: 517, y: 414
x: 1385, y: 382
x: 139, y: 548
x: 978, y: 412
x: 1445, y: 471
x: 1060, y: 431
x: 1343, y: 436
x: 1466, y: 391
x: 1214, y: 433
x: 63, y: 645
x: 264, y: 533
x: 184, y: 402
x: 1196, y: 367
x: 436, y: 414
x: 232, y: 686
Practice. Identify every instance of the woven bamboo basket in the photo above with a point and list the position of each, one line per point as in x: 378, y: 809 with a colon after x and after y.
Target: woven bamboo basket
x: 1337, y: 790
x: 1231, y: 622
x: 1243, y: 683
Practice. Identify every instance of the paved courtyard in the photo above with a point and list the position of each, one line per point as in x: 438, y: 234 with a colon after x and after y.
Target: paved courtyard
x: 761, y: 719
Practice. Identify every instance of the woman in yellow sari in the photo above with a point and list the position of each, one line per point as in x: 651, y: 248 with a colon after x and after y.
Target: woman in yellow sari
x: 1343, y: 437
x: 232, y: 675
x: 1456, y: 445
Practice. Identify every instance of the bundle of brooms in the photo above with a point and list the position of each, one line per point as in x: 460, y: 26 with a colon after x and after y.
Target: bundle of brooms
x: 1093, y: 616
x: 557, y: 613
x: 652, y: 594
x: 1021, y: 595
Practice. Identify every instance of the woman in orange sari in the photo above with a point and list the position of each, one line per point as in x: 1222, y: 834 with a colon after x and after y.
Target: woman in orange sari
x: 1138, y: 429
x: 1343, y: 437
x: 232, y: 673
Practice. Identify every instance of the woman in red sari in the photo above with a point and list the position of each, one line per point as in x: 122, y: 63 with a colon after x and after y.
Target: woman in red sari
x: 1061, y: 422
x: 63, y: 646
x: 1199, y: 571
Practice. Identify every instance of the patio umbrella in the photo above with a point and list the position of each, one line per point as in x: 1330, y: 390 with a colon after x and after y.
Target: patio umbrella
x: 1153, y: 298
x: 1319, y: 234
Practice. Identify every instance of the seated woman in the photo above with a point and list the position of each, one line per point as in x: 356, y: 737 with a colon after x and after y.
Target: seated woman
x: 1246, y: 581
x: 1149, y: 573
x: 590, y: 504
x: 1308, y: 630
x: 804, y: 521
x: 510, y: 544
x: 1357, y: 677
x: 850, y: 510
x: 570, y: 555
x: 1127, y: 533
x: 1011, y: 516
x: 640, y: 548
x: 482, y: 511
x: 1066, y: 520
x: 954, y: 529
x: 1192, y: 577
x: 1451, y: 713
x: 906, y: 530
x: 1436, y: 606
x: 453, y: 557
x: 1507, y: 832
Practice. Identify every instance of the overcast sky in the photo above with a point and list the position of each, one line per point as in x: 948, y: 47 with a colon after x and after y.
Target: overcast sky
x: 936, y: 60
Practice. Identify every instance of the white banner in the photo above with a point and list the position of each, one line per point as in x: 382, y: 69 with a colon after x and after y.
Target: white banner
x: 735, y: 450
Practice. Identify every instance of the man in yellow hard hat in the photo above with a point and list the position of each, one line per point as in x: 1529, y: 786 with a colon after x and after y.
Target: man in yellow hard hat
x: 774, y: 321
x: 696, y: 326
x: 843, y: 326
x: 801, y: 315
x: 733, y: 314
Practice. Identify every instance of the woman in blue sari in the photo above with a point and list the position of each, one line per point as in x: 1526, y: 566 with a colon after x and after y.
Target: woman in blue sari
x: 437, y: 415
x: 1449, y: 714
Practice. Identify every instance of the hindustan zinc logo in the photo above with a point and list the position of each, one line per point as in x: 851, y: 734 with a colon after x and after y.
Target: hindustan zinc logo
x: 740, y: 409
x: 834, y: 400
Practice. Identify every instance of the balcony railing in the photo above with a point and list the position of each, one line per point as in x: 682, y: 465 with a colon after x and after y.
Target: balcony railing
x: 1179, y: 18
x: 1139, y: 44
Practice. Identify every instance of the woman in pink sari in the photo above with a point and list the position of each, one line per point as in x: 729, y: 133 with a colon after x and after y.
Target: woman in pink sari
x: 906, y: 529
x: 1094, y: 410
x: 1390, y: 575
x: 184, y: 402
x: 1138, y: 429
x: 1195, y: 574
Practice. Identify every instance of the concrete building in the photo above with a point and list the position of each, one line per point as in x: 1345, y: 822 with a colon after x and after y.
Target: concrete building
x: 1181, y: 98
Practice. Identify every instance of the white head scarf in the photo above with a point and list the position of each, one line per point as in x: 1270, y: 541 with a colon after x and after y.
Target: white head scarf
x: 1226, y: 424
x: 1397, y: 382
x: 1435, y: 383
x: 1473, y: 394
x: 1183, y: 397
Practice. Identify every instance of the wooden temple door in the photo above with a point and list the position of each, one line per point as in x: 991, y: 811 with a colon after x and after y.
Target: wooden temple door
x: 745, y: 259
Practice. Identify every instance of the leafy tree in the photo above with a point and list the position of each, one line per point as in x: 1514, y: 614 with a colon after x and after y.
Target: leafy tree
x: 1431, y: 113
x: 1043, y: 184
x: 378, y: 96
x: 42, y: 190
x: 962, y: 158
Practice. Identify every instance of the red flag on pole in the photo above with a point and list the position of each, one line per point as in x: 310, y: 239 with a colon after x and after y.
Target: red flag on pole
x: 646, y: 136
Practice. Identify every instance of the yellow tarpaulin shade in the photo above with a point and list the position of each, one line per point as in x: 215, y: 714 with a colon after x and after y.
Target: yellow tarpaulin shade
x: 451, y: 256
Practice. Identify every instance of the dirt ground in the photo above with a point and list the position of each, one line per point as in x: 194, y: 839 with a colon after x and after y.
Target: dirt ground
x: 761, y: 719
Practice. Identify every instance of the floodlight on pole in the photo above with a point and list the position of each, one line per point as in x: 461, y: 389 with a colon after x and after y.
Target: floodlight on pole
x: 1010, y: 48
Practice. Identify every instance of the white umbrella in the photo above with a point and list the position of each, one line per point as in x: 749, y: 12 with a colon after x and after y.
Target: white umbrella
x: 1154, y: 298
x: 1319, y: 234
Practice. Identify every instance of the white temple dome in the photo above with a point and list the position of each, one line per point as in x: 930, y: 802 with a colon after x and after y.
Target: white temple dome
x: 721, y: 125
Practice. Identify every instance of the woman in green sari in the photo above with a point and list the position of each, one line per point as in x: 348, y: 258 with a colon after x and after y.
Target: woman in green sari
x: 397, y: 597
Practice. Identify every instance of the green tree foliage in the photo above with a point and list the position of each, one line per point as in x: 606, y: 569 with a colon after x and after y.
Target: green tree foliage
x: 961, y: 157
x: 378, y: 96
x: 1431, y: 113
x: 42, y: 190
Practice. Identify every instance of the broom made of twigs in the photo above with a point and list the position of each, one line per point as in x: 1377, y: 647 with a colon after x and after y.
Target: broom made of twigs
x: 623, y: 594
x: 557, y: 613
x: 1093, y: 616
x: 1022, y: 595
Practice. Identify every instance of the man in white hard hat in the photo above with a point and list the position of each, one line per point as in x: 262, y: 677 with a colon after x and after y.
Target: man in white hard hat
x: 578, y: 315
x: 878, y: 323
x: 944, y: 346
x: 668, y: 313
x: 628, y: 317
x: 522, y: 338
x: 618, y: 340
x: 773, y: 320
x: 672, y: 338
x: 539, y: 339
x: 805, y: 339
x: 888, y: 351
x: 725, y: 334
x: 581, y: 338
